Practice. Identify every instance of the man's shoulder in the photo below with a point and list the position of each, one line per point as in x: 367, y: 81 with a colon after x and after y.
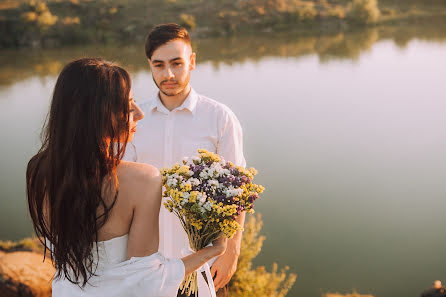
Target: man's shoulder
x: 208, y: 103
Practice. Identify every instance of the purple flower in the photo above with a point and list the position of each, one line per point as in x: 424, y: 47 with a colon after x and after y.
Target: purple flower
x: 245, y: 179
x: 253, y: 197
x: 219, y: 198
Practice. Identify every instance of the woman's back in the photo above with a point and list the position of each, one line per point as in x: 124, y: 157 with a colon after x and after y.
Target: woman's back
x: 126, y: 261
x: 136, y: 209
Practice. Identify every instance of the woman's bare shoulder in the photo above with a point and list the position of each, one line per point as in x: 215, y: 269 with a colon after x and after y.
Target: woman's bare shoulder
x: 139, y: 180
x: 138, y: 172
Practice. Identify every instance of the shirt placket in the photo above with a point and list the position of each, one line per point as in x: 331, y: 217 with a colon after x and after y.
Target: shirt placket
x: 168, y: 139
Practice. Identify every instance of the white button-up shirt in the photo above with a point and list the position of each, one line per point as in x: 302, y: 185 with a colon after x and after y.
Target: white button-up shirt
x: 165, y: 137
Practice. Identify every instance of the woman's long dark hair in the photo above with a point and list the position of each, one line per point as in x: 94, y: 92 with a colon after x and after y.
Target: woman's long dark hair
x: 83, y: 141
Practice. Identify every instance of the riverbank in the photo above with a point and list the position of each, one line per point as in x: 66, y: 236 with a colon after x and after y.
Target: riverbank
x: 53, y: 23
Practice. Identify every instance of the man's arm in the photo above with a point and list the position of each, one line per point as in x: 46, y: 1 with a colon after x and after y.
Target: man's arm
x: 225, y: 266
x: 230, y: 147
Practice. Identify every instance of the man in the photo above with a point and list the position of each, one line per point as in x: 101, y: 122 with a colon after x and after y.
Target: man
x: 177, y: 122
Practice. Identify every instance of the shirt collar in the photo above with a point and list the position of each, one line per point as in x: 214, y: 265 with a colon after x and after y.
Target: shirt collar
x: 190, y: 103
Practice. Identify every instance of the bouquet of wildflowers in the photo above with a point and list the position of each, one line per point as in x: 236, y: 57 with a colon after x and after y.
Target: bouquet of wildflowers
x: 207, y: 194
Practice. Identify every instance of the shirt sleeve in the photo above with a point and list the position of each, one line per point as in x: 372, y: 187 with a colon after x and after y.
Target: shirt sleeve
x: 230, y: 140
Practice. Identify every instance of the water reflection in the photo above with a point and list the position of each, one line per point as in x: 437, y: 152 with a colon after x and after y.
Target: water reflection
x: 20, y: 65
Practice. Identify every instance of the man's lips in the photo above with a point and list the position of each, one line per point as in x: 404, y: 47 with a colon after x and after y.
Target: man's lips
x: 169, y: 84
x: 133, y: 129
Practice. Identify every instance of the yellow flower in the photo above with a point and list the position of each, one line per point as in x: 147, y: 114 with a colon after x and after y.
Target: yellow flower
x: 184, y: 170
x: 204, y: 154
x: 193, y: 196
x: 186, y: 187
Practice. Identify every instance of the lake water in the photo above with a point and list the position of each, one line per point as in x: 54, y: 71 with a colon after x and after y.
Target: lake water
x: 348, y: 133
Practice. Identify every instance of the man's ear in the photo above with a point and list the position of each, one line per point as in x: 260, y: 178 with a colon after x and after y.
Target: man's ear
x: 193, y: 59
x: 150, y: 63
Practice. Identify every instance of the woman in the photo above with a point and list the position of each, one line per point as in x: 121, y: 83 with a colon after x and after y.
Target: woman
x: 98, y: 213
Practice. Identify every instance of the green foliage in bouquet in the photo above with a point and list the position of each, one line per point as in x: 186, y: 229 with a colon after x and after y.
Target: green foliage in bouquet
x: 253, y: 282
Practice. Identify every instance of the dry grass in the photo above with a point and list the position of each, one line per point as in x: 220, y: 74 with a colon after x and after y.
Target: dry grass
x: 31, y: 244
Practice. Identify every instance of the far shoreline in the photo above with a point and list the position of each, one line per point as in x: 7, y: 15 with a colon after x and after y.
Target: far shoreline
x: 53, y: 24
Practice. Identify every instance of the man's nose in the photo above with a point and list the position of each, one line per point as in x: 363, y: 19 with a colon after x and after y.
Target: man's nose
x: 168, y: 73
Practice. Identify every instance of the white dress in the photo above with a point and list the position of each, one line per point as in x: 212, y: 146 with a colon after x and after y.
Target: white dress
x: 151, y: 276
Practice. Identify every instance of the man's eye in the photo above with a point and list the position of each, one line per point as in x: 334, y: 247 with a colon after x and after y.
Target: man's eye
x: 177, y: 64
x: 158, y: 65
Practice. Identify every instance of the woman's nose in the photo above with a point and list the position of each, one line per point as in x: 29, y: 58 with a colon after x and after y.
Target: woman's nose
x: 138, y: 114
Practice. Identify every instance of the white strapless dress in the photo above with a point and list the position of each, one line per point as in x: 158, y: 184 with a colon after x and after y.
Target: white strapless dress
x: 151, y: 276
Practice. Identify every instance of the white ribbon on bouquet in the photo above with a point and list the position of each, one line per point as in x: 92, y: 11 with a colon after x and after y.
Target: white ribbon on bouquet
x: 204, y: 268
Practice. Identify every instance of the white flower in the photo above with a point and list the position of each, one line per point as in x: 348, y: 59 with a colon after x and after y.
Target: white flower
x: 184, y: 183
x: 172, y: 182
x: 208, y: 205
x: 201, y: 197
x: 194, y: 181
x: 213, y: 183
x: 224, y: 172
x: 218, y: 168
x: 233, y: 192
x: 204, y: 174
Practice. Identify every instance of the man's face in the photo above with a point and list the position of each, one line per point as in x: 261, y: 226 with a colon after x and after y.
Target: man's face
x: 171, y: 64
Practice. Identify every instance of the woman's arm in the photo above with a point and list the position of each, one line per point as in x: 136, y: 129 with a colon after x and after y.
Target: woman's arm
x: 145, y: 192
x: 196, y: 260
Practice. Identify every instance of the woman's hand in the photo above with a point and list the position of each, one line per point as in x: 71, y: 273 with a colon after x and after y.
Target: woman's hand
x: 197, y: 259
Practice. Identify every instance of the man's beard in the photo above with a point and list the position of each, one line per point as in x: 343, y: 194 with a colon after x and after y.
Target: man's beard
x: 181, y: 86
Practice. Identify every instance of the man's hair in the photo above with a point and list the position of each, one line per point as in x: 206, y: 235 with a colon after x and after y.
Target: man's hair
x: 164, y: 33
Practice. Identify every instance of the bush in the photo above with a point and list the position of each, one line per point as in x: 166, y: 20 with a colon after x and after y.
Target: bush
x: 39, y: 14
x: 249, y: 282
x: 303, y: 12
x: 336, y: 12
x: 31, y: 244
x: 364, y: 11
x: 306, y: 12
x: 187, y: 21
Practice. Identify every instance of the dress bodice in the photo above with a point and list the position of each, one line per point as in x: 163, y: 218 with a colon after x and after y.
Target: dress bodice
x: 111, y: 252
x: 115, y: 276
